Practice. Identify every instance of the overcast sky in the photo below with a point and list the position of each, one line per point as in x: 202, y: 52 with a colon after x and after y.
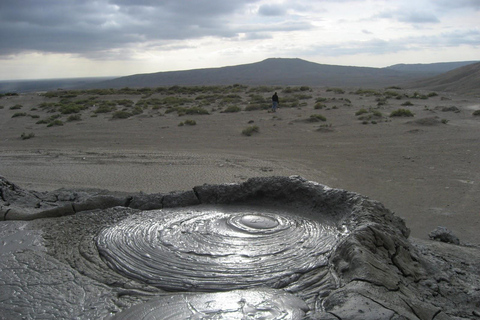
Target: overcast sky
x: 80, y: 38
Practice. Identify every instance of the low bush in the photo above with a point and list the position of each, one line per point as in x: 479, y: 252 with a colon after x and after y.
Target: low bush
x: 336, y: 90
x: 317, y: 118
x: 121, y: 114
x: 476, y: 113
x: 19, y: 114
x: 248, y: 131
x: 26, y: 136
x: 368, y: 92
x: 190, y: 122
x: 232, y: 109
x: 16, y: 107
x: 74, y: 117
x: 196, y: 110
x: 401, y: 113
x: 105, y: 109
x: 407, y: 104
x: 361, y: 111
x: 55, y: 123
x: 318, y: 106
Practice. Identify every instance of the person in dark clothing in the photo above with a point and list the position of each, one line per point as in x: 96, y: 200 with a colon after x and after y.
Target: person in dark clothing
x: 274, y: 102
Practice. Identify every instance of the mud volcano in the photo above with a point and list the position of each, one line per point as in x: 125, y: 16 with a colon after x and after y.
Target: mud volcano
x: 268, y: 248
x: 212, y: 249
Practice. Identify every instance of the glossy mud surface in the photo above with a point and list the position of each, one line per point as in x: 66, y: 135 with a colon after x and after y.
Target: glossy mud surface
x: 216, y: 249
x: 241, y: 304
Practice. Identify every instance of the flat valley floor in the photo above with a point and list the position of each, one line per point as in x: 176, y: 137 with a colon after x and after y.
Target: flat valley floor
x: 425, y: 168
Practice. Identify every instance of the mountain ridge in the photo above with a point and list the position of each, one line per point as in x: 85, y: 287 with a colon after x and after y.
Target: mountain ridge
x: 274, y: 71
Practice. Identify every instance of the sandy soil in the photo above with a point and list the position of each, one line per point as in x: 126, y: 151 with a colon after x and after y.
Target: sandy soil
x: 426, y: 171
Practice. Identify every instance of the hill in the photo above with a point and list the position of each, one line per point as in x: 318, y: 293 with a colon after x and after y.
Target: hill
x: 430, y: 69
x: 464, y: 80
x: 275, y: 71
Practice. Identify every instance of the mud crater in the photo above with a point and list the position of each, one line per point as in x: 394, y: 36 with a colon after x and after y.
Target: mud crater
x: 217, y: 248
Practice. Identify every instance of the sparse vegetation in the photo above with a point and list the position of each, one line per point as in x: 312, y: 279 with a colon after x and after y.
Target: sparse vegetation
x: 121, y: 114
x: 232, y: 109
x: 19, y: 114
x: 55, y: 123
x: 190, y: 122
x: 26, y: 136
x: 361, y: 111
x: 401, y: 113
x: 248, y: 131
x: 476, y: 113
x: 74, y: 117
x: 16, y: 107
x: 316, y: 118
x: 407, y: 104
x: 336, y: 90
x: 444, y: 121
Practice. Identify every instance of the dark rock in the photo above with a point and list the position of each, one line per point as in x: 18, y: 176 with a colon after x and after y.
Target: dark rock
x: 444, y: 235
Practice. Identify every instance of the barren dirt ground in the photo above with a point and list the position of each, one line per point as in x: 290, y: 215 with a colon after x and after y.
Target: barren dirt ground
x: 425, y: 168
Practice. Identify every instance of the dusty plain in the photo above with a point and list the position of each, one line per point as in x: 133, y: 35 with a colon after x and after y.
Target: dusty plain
x: 425, y: 168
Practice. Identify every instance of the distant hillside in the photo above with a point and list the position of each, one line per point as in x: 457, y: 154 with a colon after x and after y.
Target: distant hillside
x: 47, y: 84
x: 430, y: 69
x: 464, y: 80
x: 271, y: 72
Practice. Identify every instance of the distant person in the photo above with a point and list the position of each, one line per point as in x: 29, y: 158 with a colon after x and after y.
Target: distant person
x: 274, y: 102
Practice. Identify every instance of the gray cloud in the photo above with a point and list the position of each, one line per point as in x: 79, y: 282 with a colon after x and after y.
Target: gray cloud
x: 408, y: 15
x: 272, y: 10
x: 91, y: 28
x: 380, y: 46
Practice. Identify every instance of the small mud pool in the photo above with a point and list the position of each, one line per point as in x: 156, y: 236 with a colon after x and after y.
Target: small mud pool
x: 216, y: 248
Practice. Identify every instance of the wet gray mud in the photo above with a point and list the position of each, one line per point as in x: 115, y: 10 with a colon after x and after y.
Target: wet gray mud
x: 268, y: 248
x: 216, y: 249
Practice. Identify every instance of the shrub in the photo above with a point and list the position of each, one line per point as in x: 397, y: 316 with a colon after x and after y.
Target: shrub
x: 190, y: 122
x: 121, y: 114
x: 432, y: 94
x: 401, y: 113
x: 137, y: 110
x: 476, y: 113
x: 361, y: 111
x: 368, y: 92
x: 196, y: 110
x: 318, y: 106
x: 377, y: 113
x: 105, y: 109
x: 248, y: 131
x: 336, y: 90
x: 407, y: 103
x: 16, y: 107
x: 74, y: 117
x: 19, y: 114
x: 232, y: 109
x: 317, y: 118
x: 71, y: 108
x: 25, y: 136
x: 55, y: 123
x: 444, y: 121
